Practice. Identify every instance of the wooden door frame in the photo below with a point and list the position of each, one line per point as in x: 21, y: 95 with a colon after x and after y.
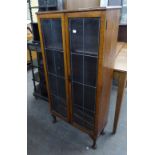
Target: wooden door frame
x: 54, y: 16
x: 101, y: 15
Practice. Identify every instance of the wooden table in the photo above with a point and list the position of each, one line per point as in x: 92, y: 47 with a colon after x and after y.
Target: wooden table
x: 120, y: 74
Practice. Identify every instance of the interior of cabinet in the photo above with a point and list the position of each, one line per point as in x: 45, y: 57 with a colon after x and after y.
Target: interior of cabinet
x: 84, y: 46
x: 52, y: 34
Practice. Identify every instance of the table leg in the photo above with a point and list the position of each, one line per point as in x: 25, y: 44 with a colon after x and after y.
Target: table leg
x: 120, y: 94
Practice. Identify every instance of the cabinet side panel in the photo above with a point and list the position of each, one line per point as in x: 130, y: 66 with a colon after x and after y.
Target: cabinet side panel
x: 109, y: 52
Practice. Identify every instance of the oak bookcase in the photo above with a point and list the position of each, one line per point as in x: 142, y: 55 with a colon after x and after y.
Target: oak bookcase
x: 78, y: 50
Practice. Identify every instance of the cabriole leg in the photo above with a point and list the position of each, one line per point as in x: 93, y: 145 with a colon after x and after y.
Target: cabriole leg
x: 102, y: 132
x: 54, y: 119
x: 94, y: 144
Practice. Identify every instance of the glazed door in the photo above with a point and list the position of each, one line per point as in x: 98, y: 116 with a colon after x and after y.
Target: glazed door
x: 83, y: 50
x: 54, y: 52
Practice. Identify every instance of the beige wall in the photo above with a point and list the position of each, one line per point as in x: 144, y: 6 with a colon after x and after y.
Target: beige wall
x: 75, y: 4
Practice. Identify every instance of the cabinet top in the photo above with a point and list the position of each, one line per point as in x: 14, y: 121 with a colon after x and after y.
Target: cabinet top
x: 80, y: 10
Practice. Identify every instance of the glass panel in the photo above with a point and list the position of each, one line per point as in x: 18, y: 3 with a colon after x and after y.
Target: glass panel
x: 77, y: 67
x: 61, y: 88
x: 83, y: 114
x: 52, y: 33
x: 50, y: 61
x: 53, y: 84
x: 57, y: 86
x: 52, y: 37
x: 55, y: 62
x: 58, y: 95
x: 82, y: 118
x: 77, y: 93
x: 76, y: 35
x: 59, y: 62
x: 42, y: 3
x: 78, y: 115
x: 89, y: 99
x: 84, y: 45
x: 59, y: 106
x: 91, y: 35
x: 51, y: 2
x: 90, y: 70
x: 89, y: 106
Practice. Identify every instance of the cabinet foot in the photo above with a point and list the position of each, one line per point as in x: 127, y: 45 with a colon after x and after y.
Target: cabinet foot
x: 94, y: 146
x: 54, y: 119
x: 102, y: 132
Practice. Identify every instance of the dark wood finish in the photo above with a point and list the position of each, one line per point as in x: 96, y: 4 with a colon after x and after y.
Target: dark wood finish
x: 100, y: 74
x: 107, y: 63
x: 102, y: 132
x: 66, y: 67
x: 89, y: 132
x: 94, y: 144
x: 109, y: 21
